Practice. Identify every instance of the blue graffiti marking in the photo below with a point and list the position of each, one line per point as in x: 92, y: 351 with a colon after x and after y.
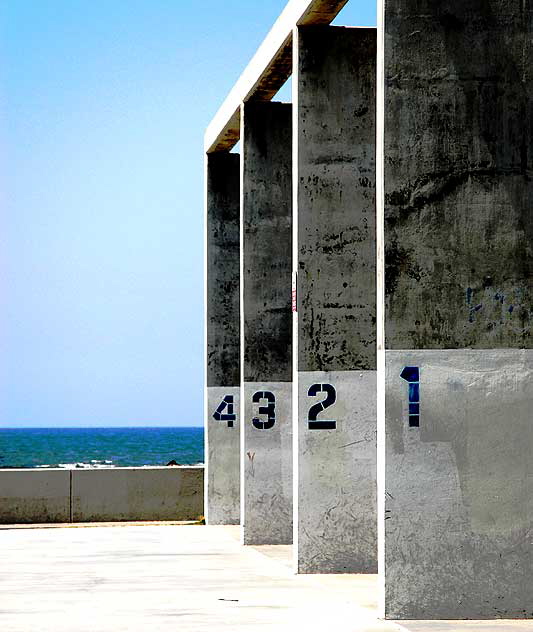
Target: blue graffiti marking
x: 411, y: 374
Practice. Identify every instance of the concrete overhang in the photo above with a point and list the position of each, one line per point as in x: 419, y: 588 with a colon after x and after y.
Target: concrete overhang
x: 268, y: 69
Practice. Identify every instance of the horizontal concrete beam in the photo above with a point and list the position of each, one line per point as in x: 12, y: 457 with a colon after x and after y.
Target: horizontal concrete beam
x: 268, y: 70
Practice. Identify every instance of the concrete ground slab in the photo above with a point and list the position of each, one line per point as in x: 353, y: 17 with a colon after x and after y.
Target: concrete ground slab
x: 192, y: 578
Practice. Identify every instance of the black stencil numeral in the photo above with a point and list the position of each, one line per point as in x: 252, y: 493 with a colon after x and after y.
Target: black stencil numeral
x: 411, y: 374
x: 269, y: 410
x: 227, y: 405
x: 316, y: 409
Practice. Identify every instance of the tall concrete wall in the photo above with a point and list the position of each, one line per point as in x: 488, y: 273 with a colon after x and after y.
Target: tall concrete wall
x: 458, y: 268
x: 222, y: 398
x: 267, y: 323
x: 107, y: 495
x: 334, y: 93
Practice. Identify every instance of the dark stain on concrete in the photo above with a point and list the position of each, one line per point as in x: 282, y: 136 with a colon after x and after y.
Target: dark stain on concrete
x: 267, y: 242
x: 223, y: 246
x: 336, y: 198
x: 458, y: 174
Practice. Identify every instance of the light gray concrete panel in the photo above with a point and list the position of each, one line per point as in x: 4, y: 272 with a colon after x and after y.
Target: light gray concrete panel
x: 222, y: 453
x: 34, y: 496
x: 459, y: 488
x: 123, y: 494
x: 267, y: 465
x: 336, y: 527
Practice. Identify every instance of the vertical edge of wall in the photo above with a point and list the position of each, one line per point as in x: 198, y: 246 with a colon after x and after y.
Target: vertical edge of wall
x: 222, y: 322
x: 458, y: 195
x: 34, y: 496
x: 335, y: 260
x: 266, y: 351
x: 380, y: 305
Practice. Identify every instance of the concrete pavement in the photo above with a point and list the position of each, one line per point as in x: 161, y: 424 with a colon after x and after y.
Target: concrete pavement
x: 179, y: 577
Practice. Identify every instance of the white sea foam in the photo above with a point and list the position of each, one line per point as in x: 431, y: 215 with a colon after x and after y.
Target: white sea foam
x: 93, y: 465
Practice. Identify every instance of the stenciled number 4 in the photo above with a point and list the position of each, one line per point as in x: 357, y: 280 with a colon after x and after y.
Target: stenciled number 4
x: 227, y: 405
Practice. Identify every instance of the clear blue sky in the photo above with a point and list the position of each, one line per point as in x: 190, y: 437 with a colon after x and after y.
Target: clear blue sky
x: 103, y: 106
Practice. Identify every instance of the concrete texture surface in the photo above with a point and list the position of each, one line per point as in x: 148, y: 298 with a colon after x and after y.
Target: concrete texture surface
x: 266, y: 493
x: 223, y: 345
x: 268, y: 69
x: 458, y: 162
x: 223, y: 269
x: 267, y: 242
x: 222, y: 501
x: 459, y: 488
x: 336, y: 240
x: 337, y: 520
x: 267, y: 468
x: 34, y: 496
x: 163, y: 578
x: 335, y: 250
x: 115, y: 494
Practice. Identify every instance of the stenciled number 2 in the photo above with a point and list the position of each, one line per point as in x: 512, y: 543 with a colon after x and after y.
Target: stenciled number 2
x: 316, y: 409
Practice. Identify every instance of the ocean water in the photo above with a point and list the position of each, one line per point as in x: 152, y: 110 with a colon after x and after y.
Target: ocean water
x: 99, y: 447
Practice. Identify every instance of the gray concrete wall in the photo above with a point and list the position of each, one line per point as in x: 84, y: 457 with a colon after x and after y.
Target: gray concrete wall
x: 267, y: 466
x: 458, y: 191
x: 459, y: 502
x: 267, y: 323
x: 106, y: 495
x: 337, y: 476
x: 223, y: 338
x: 223, y: 459
x: 458, y: 269
x: 32, y: 496
x: 121, y: 494
x: 334, y: 88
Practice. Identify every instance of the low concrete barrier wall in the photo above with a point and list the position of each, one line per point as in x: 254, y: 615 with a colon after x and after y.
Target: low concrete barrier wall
x: 110, y: 495
x: 166, y: 493
x: 34, y: 496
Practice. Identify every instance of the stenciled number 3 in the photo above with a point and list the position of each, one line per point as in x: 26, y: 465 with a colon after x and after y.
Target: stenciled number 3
x: 269, y: 410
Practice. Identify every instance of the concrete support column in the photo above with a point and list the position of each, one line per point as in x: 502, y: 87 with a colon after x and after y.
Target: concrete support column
x: 457, y: 430
x: 266, y: 492
x: 335, y: 324
x: 222, y: 303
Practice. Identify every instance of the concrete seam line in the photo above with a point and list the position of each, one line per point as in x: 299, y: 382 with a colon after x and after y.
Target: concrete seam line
x: 70, y: 496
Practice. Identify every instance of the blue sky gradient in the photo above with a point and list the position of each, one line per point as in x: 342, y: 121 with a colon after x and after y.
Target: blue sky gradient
x: 103, y: 107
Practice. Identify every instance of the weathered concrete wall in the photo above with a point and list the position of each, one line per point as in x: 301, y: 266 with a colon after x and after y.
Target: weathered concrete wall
x: 334, y: 87
x: 107, y: 495
x: 458, y: 187
x: 267, y: 323
x: 223, y: 338
x: 267, y: 466
x: 337, y: 476
x: 32, y: 496
x: 458, y: 269
x: 121, y: 494
x: 459, y: 503
x: 223, y: 459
